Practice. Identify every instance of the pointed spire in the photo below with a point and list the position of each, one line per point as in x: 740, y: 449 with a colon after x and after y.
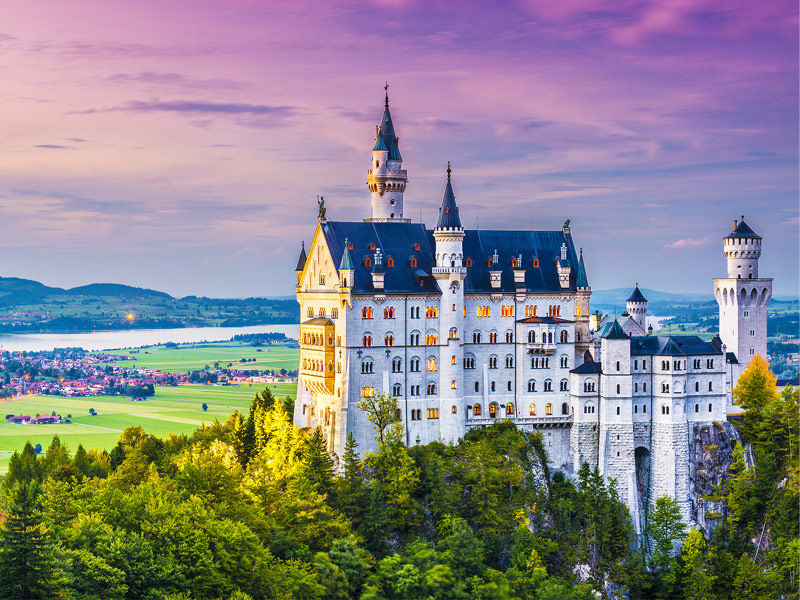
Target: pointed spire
x: 386, y: 131
x: 301, y: 261
x: 346, y: 263
x: 615, y: 332
x: 581, y: 281
x: 448, y: 211
x: 386, y: 88
x: 636, y: 295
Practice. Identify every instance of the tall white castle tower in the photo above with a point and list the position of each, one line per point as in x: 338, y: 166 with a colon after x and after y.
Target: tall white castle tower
x: 636, y: 305
x: 385, y: 178
x: 450, y: 273
x: 743, y: 297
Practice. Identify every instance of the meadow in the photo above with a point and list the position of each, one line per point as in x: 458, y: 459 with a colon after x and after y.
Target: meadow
x: 173, y: 410
x: 187, y: 357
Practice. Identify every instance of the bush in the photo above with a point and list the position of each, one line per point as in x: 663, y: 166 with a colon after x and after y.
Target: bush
x: 205, y: 407
x: 38, y: 449
x: 711, y: 447
x: 713, y: 515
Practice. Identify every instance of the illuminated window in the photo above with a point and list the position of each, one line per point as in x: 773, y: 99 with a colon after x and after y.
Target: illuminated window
x: 367, y: 341
x: 492, y: 337
x: 388, y: 312
x: 507, y: 311
x: 476, y: 410
x: 453, y: 360
x: 366, y: 312
x: 390, y: 262
x: 431, y: 339
x: 535, y: 263
x: 453, y: 385
x: 453, y: 409
x: 334, y: 313
x: 367, y: 392
x: 453, y: 334
x: 388, y: 340
x: 483, y: 311
x: 468, y: 262
x: 510, y: 408
x: 532, y: 410
x: 548, y: 409
x: 430, y: 364
x: 431, y: 389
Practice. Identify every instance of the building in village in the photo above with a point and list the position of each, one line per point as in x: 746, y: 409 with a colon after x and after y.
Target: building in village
x: 465, y: 327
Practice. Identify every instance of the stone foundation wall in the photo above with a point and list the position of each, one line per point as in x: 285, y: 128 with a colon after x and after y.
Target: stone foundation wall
x: 583, y: 442
x: 670, y: 458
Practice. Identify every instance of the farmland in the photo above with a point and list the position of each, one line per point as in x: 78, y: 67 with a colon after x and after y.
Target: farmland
x: 173, y: 410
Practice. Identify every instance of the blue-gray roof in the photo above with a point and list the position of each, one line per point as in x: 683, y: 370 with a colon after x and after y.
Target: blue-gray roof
x: 387, y: 134
x: 581, y: 280
x: 448, y: 211
x: 615, y: 332
x: 637, y: 295
x: 380, y: 144
x: 301, y: 261
x: 743, y: 230
x: 672, y: 345
x: 587, y: 368
x: 398, y: 240
x: 346, y: 263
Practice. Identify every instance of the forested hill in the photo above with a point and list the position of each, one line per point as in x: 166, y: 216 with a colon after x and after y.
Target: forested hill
x: 28, y: 306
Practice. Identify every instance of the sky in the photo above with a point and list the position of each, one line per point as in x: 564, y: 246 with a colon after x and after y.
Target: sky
x: 181, y: 145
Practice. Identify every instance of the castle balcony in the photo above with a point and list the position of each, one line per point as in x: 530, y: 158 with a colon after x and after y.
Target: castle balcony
x: 524, y: 422
x: 402, y: 173
x: 317, y: 358
x: 448, y: 270
x: 546, y: 349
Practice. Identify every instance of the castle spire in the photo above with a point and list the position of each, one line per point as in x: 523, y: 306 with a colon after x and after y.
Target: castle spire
x: 386, y: 178
x: 448, y: 211
x: 581, y: 280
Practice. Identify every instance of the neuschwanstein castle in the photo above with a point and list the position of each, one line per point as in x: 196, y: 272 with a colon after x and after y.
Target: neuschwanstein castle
x: 468, y: 326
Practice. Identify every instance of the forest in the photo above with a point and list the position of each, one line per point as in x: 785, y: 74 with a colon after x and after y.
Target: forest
x: 256, y: 508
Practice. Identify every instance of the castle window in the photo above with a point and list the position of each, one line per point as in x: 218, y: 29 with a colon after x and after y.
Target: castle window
x: 476, y: 337
x: 644, y: 387
x: 388, y: 340
x: 532, y: 385
x: 334, y: 313
x: 390, y: 262
x: 548, y: 409
x: 531, y: 337
x: 696, y: 408
x: 367, y: 392
x: 476, y: 410
x: 636, y: 364
x: 367, y: 366
x: 509, y: 337
x: 477, y: 387
x: 532, y: 410
x: 710, y: 407
x: 710, y: 387
x: 618, y: 414
x: 372, y: 246
x: 636, y: 408
x: 617, y: 365
x: 453, y: 333
x: 635, y: 387
x: 366, y: 262
x: 483, y: 311
x: 431, y: 312
x: 696, y: 386
x: 509, y: 386
x: 564, y: 385
x: 468, y: 262
x: 564, y: 362
x: 397, y: 365
x: 618, y: 389
x: 431, y: 339
x: 310, y: 312
x: 430, y: 365
x: 469, y: 361
x: 677, y: 365
x: 492, y: 362
x: 366, y: 312
x: 453, y: 385
x: 710, y: 363
x: 536, y: 263
x: 548, y: 386
x: 644, y: 410
x: 453, y: 359
x: 491, y: 387
x: 414, y: 341
x: 509, y: 362
x: 564, y: 337
x: 321, y: 279
x: 388, y: 312
x: 367, y: 339
x: 350, y: 246
x: 453, y: 409
x: 644, y: 366
x: 492, y: 337
x: 416, y: 247
x: 433, y: 413
x: 413, y: 262
x: 431, y: 389
x: 564, y: 408
x: 396, y: 389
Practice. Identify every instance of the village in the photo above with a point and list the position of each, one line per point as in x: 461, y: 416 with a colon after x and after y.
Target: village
x: 74, y: 372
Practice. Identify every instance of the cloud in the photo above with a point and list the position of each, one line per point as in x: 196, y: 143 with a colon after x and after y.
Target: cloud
x: 76, y: 140
x: 686, y: 243
x: 197, y: 107
x: 53, y: 147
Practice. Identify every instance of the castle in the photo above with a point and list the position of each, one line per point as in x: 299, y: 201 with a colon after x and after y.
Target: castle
x: 465, y: 327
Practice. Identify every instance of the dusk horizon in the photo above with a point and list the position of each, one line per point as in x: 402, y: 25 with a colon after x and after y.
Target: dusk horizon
x: 182, y: 147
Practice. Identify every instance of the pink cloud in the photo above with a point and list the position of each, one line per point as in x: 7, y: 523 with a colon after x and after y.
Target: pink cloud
x: 685, y: 243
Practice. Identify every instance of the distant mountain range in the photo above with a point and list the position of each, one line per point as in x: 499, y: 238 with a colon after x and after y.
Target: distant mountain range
x: 15, y: 291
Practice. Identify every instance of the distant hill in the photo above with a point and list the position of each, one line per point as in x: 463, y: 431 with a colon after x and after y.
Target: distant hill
x: 618, y: 296
x: 116, y: 289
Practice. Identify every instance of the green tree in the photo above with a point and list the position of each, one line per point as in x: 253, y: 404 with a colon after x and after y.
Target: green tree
x: 384, y: 414
x: 23, y: 467
x: 665, y: 527
x: 316, y: 465
x: 27, y: 566
x: 748, y: 582
x: 698, y: 583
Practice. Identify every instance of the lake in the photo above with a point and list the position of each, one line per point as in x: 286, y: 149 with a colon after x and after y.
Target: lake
x: 109, y: 340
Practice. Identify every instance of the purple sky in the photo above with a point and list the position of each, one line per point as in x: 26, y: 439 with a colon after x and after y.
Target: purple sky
x: 181, y: 145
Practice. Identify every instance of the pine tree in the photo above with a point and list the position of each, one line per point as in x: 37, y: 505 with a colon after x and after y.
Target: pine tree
x: 351, y: 487
x: 316, y: 470
x: 23, y: 467
x: 698, y: 583
x: 26, y: 562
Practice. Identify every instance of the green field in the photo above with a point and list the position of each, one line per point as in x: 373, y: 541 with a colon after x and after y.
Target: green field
x: 172, y: 410
x: 186, y: 357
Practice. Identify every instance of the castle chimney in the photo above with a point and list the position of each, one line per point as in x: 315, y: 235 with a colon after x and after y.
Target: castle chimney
x: 735, y: 223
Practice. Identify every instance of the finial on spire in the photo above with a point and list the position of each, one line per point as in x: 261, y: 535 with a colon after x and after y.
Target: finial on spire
x: 448, y: 170
x: 386, y: 89
x: 581, y: 251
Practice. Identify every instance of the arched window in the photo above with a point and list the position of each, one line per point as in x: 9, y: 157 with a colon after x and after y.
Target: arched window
x: 548, y: 386
x: 635, y: 387
x: 509, y: 362
x: 476, y: 410
x: 564, y: 408
x: 710, y: 387
x: 493, y: 410
x: 476, y: 337
x: 531, y: 385
x: 492, y: 337
x: 397, y: 365
x: 453, y: 333
x: 430, y: 364
x: 548, y: 409
x: 617, y: 365
x: 396, y: 389
x: 509, y: 337
x: 635, y: 408
x: 619, y: 388
x: 453, y: 384
x: 367, y: 366
x: 564, y: 337
x: 696, y: 386
x: 388, y: 339
x: 492, y: 362
x: 431, y: 389
x: 564, y: 385
x: 509, y: 408
x: 413, y: 365
x: 536, y: 263
x: 564, y: 361
x: 469, y: 361
x: 696, y: 408
x: 367, y: 339
x: 531, y: 337
x: 618, y: 413
x: 710, y: 407
x: 532, y: 410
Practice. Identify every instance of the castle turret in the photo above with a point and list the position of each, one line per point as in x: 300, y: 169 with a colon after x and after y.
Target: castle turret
x: 743, y: 298
x: 450, y: 272
x: 301, y: 264
x: 636, y: 307
x: 346, y: 268
x: 582, y: 294
x: 385, y: 178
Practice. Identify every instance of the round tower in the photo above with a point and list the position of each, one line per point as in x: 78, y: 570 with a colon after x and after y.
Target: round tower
x: 636, y: 306
x: 450, y: 274
x: 742, y: 249
x: 386, y: 179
